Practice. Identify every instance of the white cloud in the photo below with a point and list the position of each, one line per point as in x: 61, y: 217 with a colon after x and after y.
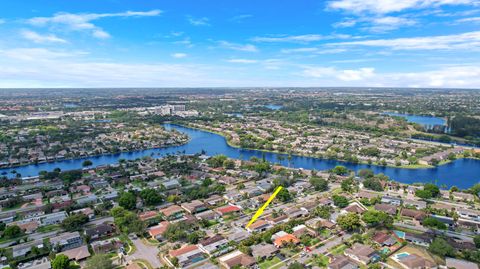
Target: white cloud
x: 239, y: 47
x: 469, y: 20
x: 345, y: 23
x: 242, y: 61
x: 463, y: 76
x: 240, y: 18
x: 389, y: 6
x: 314, y: 50
x: 52, y: 68
x: 204, y: 21
x: 463, y: 41
x: 388, y: 23
x: 179, y: 55
x: 38, y: 38
x: 291, y: 38
x: 83, y: 21
x: 343, y: 75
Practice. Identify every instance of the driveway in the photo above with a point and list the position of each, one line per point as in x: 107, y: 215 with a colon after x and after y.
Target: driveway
x: 145, y: 252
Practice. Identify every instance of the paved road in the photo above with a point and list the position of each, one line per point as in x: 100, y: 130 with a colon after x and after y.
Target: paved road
x: 145, y: 252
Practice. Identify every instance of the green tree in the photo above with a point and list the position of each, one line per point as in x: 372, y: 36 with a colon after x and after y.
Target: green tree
x: 284, y: 195
x: 476, y: 239
x: 434, y: 223
x: 323, y: 211
x: 87, y: 163
x: 376, y: 218
x: 151, y: 197
x: 99, y: 261
x: 319, y: 184
x: 340, y: 201
x: 74, y: 222
x: 61, y: 261
x: 127, y: 200
x: 229, y: 164
x: 349, y: 221
x: 365, y: 173
x: 296, y: 265
x: 127, y: 221
x: 432, y: 188
x: 349, y: 185
x: 340, y: 170
x: 424, y: 194
x: 441, y: 247
x: 373, y: 184
x: 12, y: 232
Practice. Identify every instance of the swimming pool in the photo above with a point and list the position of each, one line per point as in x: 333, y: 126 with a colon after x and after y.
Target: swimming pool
x: 401, y: 255
x: 400, y: 234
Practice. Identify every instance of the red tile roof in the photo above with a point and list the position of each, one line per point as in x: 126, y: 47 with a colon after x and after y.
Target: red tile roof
x: 182, y: 250
x: 228, y: 209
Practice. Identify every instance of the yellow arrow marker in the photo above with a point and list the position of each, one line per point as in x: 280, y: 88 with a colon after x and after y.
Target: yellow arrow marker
x: 260, y: 211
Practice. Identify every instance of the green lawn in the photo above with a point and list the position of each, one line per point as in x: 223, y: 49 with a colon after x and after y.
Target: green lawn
x: 320, y: 260
x: 267, y: 263
x: 337, y: 250
x: 48, y: 228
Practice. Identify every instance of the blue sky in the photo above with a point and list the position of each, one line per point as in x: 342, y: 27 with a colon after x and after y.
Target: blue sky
x: 200, y: 43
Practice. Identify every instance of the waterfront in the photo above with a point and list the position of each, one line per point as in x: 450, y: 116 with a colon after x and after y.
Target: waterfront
x: 462, y: 173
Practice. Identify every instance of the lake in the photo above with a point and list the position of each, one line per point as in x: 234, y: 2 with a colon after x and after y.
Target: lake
x: 427, y: 121
x: 462, y: 173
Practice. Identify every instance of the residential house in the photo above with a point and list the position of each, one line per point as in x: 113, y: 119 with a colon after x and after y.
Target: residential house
x: 414, y: 261
x: 194, y: 206
x: 53, y: 218
x: 149, y: 217
x: 342, y: 262
x: 228, y: 209
x: 99, y: 231
x: 158, y: 230
x: 236, y: 258
x: 172, y: 212
x: 171, y: 184
x: 419, y: 205
x: 470, y: 214
x: 258, y: 226
x: 413, y: 214
x: 384, y: 239
x: 87, y: 211
x: 391, y: 200
x: 214, y: 200
x: 65, y: 241
x: 419, y: 239
x: 207, y: 215
x: 213, y: 244
x: 354, y: 208
x: 460, y: 264
x: 77, y: 254
x: 23, y: 249
x: 285, y: 239
x: 362, y: 253
x: 187, y: 255
x: 387, y: 208
x: 264, y: 251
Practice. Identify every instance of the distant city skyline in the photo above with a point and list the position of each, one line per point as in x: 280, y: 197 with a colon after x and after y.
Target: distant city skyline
x: 144, y: 43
